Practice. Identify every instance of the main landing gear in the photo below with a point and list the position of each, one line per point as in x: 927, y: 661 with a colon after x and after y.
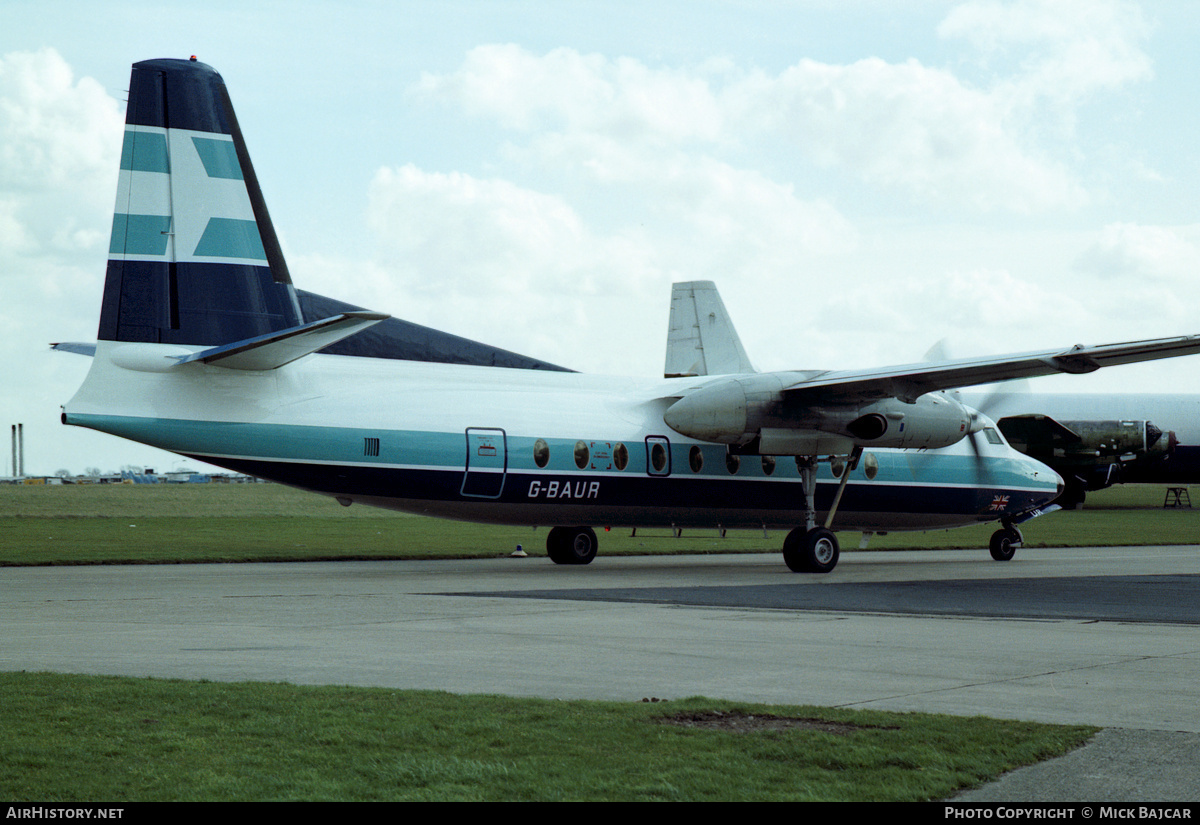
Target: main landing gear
x: 810, y: 551
x: 813, y: 549
x: 571, y: 545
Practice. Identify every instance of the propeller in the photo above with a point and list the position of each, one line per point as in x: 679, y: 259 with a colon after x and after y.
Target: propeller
x: 980, y: 410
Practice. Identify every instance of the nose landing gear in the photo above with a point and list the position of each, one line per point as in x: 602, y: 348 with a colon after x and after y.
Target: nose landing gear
x: 1004, y: 543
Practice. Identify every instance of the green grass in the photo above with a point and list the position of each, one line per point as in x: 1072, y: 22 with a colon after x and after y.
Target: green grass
x: 113, y: 740
x: 83, y: 738
x: 165, y: 523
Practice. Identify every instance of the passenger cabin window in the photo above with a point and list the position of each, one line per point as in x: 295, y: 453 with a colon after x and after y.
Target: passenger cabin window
x: 696, y: 458
x: 870, y: 465
x: 620, y: 456
x: 541, y: 453
x: 658, y: 456
x: 581, y: 455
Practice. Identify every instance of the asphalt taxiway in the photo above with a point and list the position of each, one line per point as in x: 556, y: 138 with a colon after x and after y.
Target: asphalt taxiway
x: 1101, y: 636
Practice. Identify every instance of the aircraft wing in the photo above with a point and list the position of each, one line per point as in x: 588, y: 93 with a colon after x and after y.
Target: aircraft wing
x: 908, y: 382
x: 797, y: 413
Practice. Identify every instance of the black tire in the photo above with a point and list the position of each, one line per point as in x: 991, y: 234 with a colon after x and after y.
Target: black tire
x: 1003, y: 545
x: 571, y: 545
x: 811, y: 551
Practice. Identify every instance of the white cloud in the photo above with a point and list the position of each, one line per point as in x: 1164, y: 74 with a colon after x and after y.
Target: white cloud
x: 1145, y: 254
x: 910, y: 127
x: 60, y: 144
x: 1144, y: 277
x: 472, y: 256
x: 573, y: 92
x: 905, y: 126
x: 1066, y: 48
x: 54, y: 130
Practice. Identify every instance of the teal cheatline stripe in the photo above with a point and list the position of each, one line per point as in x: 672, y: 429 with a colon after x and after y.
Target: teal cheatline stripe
x: 139, y: 234
x: 282, y: 441
x: 229, y: 238
x: 219, y: 158
x: 145, y: 152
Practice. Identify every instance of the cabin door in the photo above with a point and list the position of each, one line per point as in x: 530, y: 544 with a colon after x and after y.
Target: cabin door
x: 487, y: 462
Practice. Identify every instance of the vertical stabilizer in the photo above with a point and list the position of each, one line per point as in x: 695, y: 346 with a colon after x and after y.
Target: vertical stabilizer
x: 701, y: 339
x: 193, y: 257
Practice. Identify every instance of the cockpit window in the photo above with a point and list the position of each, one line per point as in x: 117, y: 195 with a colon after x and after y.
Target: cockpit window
x: 992, y: 436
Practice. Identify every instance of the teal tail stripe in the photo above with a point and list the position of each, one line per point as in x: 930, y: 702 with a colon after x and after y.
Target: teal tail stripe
x: 230, y: 238
x: 145, y: 152
x: 219, y: 158
x: 139, y: 234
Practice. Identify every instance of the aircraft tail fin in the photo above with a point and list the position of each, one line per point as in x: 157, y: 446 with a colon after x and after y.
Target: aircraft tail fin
x: 193, y: 257
x: 701, y: 339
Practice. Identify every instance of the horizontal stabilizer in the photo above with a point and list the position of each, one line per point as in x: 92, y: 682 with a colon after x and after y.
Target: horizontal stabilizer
x: 75, y: 347
x: 267, y: 352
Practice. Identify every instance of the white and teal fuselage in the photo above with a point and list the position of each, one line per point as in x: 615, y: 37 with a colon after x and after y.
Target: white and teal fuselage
x: 458, y: 441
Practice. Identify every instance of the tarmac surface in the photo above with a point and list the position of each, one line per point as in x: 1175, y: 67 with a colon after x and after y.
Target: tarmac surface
x: 1100, y: 636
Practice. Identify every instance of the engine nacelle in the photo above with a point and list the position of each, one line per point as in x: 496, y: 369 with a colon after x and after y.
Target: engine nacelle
x: 738, y: 410
x: 935, y: 420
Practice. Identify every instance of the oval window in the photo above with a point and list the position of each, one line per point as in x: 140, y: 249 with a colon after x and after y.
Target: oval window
x: 620, y: 456
x: 870, y: 466
x: 768, y: 463
x: 581, y: 455
x: 658, y: 457
x: 541, y: 453
x: 836, y: 465
x: 732, y: 462
x: 695, y: 459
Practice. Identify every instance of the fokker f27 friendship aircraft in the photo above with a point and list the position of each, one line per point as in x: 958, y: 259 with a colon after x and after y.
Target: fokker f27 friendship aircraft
x: 207, y: 350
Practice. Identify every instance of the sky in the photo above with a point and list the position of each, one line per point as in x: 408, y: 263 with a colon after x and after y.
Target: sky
x: 862, y: 179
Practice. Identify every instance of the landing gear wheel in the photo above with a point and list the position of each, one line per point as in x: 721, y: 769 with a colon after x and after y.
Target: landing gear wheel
x: 1003, y: 545
x: 811, y: 551
x: 571, y: 545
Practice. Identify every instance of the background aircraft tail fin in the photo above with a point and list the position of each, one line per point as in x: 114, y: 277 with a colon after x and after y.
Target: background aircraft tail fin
x: 193, y: 257
x: 701, y: 339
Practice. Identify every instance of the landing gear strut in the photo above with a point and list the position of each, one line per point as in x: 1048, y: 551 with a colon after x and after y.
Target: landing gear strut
x: 813, y: 549
x: 571, y: 545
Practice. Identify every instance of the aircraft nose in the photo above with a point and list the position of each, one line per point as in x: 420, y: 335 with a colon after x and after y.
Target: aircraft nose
x: 1041, y: 471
